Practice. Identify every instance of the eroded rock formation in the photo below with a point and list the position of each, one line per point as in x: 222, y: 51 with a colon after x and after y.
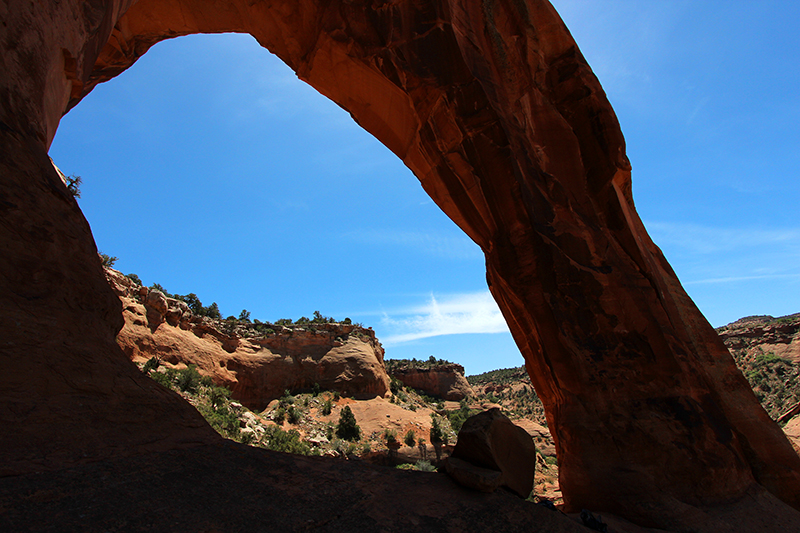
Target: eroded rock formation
x: 489, y: 440
x: 257, y: 369
x: 493, y: 107
x: 443, y: 381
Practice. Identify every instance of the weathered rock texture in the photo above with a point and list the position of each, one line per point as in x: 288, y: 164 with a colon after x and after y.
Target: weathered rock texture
x: 489, y: 440
x: 494, y: 108
x: 257, y: 369
x: 444, y: 381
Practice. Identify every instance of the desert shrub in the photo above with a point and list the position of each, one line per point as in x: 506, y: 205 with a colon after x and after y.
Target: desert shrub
x: 459, y: 416
x: 366, y: 448
x: 410, y: 439
x: 222, y: 419
x: 285, y: 441
x: 336, y: 396
x: 390, y: 435
x: 551, y: 460
x: 395, y: 385
x: 347, y: 428
x: 165, y: 379
x: 425, y: 466
x: 74, y: 185
x: 280, y: 415
x: 188, y: 379
x: 134, y: 278
x: 326, y: 407
x: 244, y: 316
x: 437, y: 436
x: 218, y: 395
x: 213, y: 311
x: 283, y: 322
x: 293, y: 415
x: 151, y: 364
x: 329, y: 431
x: 315, y: 390
x: 108, y: 260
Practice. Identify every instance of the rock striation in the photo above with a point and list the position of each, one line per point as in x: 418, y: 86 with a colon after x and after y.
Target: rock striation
x: 443, y: 381
x: 497, y: 113
x: 256, y: 368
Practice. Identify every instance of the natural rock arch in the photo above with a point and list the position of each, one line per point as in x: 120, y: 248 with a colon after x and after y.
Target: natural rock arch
x: 497, y: 113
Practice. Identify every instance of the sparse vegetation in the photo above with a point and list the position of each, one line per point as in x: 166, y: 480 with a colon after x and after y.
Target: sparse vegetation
x: 74, y: 185
x: 108, y: 260
x: 411, y: 438
x: 347, y: 428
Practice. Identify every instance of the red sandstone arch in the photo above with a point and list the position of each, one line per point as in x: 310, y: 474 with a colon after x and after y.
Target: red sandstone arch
x: 495, y: 110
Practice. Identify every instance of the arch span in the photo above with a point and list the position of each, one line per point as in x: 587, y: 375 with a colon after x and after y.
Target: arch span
x: 494, y: 109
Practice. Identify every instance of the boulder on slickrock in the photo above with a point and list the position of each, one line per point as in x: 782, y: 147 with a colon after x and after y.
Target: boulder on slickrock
x: 489, y: 440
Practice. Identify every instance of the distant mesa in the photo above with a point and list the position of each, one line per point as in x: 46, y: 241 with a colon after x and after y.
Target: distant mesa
x: 440, y: 379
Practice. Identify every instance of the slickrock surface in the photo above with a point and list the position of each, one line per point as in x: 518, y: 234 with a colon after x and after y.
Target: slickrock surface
x: 494, y: 108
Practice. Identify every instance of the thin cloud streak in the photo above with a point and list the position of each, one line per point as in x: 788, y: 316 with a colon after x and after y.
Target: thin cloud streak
x: 449, y: 315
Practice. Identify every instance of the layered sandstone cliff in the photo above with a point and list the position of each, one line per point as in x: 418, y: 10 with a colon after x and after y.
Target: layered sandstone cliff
x: 444, y: 381
x: 256, y: 367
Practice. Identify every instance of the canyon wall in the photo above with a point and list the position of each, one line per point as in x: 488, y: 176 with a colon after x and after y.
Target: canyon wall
x: 257, y: 367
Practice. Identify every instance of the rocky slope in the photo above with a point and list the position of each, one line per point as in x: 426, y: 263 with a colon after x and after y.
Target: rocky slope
x: 257, y: 366
x: 767, y: 351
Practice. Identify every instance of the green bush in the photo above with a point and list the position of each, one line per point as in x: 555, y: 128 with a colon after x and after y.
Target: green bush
x: 134, y: 278
x: 222, y: 419
x: 425, y: 466
x: 108, y: 260
x: 390, y: 436
x: 347, y: 428
x: 285, y: 441
x: 188, y: 379
x: 326, y: 407
x: 218, y: 396
x: 293, y: 415
x: 151, y: 364
x: 410, y: 439
x: 280, y: 415
x: 165, y: 379
x: 437, y: 436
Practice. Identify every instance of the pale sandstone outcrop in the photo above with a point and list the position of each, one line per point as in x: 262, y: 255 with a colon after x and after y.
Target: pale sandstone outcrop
x: 342, y: 357
x: 494, y: 108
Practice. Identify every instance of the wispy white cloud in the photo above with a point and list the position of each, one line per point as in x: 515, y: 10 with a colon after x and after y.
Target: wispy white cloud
x: 446, y: 315
x: 454, y: 246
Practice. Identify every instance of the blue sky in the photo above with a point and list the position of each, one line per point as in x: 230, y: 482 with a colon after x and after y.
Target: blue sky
x: 209, y: 168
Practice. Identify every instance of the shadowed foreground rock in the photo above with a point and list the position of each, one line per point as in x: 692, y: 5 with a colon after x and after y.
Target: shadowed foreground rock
x: 490, y: 440
x: 494, y: 109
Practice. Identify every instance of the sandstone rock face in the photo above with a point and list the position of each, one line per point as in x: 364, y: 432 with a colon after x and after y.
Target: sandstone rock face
x: 493, y: 107
x: 340, y: 357
x: 443, y: 381
x: 489, y: 440
x: 757, y: 335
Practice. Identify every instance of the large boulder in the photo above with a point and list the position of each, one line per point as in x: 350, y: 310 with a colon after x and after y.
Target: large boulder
x: 489, y: 440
